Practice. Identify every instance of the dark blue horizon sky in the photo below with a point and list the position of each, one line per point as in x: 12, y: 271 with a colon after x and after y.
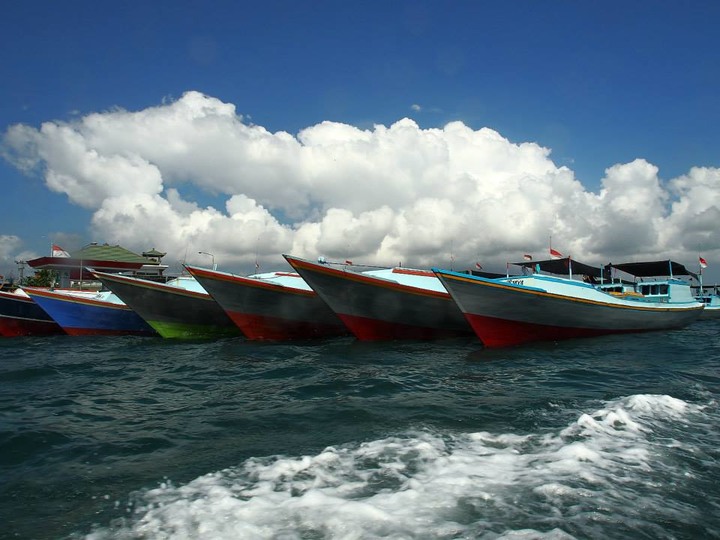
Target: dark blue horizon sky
x: 597, y: 83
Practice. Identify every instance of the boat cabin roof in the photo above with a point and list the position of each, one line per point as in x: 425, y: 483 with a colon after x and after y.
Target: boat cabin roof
x: 562, y: 266
x: 654, y: 269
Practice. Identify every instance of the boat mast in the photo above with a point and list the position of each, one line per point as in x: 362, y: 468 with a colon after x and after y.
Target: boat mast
x: 700, y: 274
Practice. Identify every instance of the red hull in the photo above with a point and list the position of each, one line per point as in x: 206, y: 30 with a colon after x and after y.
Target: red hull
x: 20, y: 327
x: 503, y: 333
x: 101, y: 332
x: 263, y: 328
x: 367, y: 329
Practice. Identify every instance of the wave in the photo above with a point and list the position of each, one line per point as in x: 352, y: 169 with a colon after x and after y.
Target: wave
x: 634, y: 467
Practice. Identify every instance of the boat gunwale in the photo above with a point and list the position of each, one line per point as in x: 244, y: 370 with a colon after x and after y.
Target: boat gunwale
x: 13, y: 296
x: 535, y: 291
x: 378, y: 281
x: 51, y: 295
x: 259, y: 283
x: 146, y: 284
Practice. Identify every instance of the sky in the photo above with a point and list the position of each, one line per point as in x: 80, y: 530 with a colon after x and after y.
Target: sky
x: 420, y: 133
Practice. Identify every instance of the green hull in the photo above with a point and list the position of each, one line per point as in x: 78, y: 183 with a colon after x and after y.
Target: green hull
x: 173, y: 312
x: 191, y: 331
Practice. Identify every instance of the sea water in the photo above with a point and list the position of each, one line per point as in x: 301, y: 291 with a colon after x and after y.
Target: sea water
x: 126, y: 437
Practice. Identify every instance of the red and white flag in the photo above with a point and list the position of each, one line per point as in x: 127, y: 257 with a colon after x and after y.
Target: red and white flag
x: 527, y: 257
x: 57, y: 251
x: 348, y: 262
x: 478, y: 266
x: 555, y: 254
x: 703, y: 262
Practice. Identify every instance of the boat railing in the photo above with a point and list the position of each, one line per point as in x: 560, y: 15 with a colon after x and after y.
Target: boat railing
x: 349, y: 265
x: 640, y: 292
x: 626, y: 294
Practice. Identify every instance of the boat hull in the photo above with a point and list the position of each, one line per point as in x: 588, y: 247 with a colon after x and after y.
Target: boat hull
x: 503, y: 314
x: 376, y: 309
x: 21, y: 316
x: 710, y: 313
x: 712, y: 305
x: 268, y: 311
x: 79, y: 316
x: 171, y: 311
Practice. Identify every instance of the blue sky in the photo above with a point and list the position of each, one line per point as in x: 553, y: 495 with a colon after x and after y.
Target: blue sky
x: 597, y: 84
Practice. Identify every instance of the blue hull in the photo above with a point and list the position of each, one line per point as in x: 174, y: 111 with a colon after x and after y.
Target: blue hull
x: 86, y: 317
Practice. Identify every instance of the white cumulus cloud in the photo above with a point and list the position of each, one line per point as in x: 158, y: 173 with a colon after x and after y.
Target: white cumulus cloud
x: 380, y: 195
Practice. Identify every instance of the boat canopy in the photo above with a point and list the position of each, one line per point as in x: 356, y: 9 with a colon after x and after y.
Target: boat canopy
x: 654, y: 269
x: 562, y: 266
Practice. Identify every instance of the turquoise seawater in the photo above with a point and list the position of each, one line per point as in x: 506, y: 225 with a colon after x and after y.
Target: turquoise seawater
x: 124, y: 437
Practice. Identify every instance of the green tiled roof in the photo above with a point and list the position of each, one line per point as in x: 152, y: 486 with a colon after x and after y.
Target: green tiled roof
x: 105, y: 252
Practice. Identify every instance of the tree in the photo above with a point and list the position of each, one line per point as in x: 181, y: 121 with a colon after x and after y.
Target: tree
x: 41, y: 278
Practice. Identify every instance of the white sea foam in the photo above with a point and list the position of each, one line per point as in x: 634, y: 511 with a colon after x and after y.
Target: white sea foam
x: 589, y: 478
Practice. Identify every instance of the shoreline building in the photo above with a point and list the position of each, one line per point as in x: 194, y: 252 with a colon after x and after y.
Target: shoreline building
x: 73, y: 268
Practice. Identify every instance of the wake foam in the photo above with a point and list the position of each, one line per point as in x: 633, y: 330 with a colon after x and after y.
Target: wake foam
x: 612, y: 472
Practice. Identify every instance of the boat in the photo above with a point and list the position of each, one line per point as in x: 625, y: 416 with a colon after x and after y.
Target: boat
x: 385, y: 303
x: 710, y: 298
x: 21, y: 316
x: 270, y: 305
x: 541, y: 307
x: 179, y: 308
x: 90, y: 312
x: 707, y: 295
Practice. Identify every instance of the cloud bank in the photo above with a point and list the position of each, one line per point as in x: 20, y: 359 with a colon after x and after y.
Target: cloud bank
x: 382, y: 195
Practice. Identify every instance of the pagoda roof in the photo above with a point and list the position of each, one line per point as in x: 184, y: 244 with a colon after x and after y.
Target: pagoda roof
x: 153, y: 253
